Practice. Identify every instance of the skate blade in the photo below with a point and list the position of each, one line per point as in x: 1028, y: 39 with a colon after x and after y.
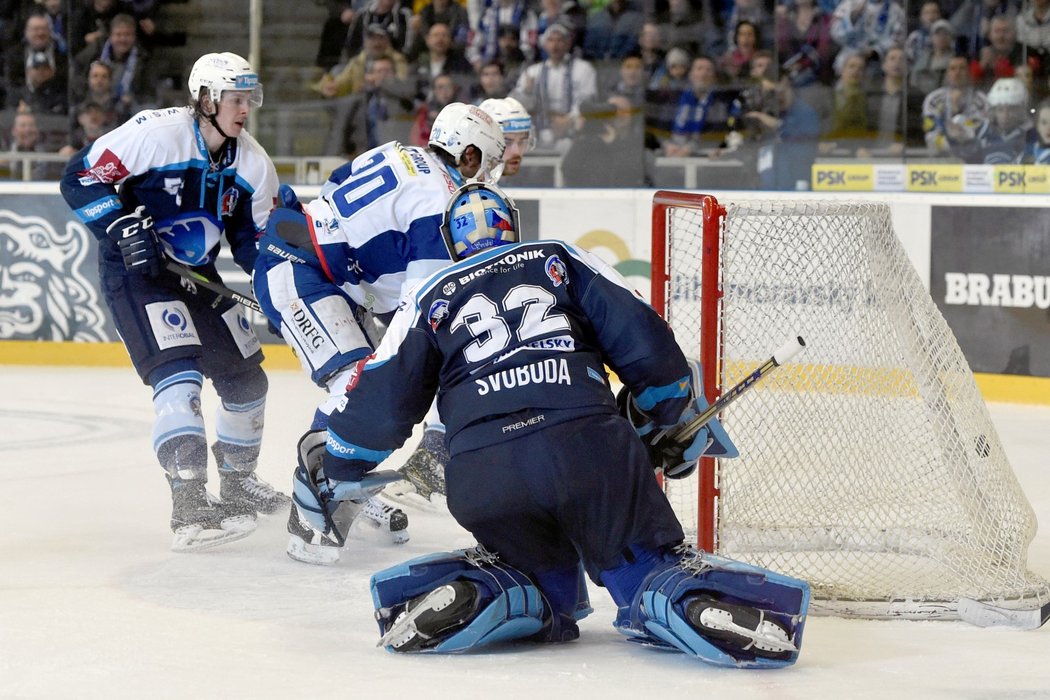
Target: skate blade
x: 768, y: 636
x: 316, y: 554
x: 404, y: 628
x: 194, y: 538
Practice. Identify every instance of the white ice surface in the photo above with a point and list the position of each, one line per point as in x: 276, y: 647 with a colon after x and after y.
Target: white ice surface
x: 94, y: 605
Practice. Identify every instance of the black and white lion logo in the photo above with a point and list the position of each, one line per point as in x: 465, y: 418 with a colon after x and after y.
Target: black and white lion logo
x: 43, y: 295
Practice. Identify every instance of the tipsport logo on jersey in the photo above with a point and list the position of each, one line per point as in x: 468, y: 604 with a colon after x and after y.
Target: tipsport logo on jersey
x: 171, y: 324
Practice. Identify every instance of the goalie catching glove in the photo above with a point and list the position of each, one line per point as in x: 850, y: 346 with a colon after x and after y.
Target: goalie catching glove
x: 134, y: 235
x: 675, y: 459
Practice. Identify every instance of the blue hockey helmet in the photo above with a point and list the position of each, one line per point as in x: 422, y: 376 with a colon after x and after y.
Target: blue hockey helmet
x: 479, y: 216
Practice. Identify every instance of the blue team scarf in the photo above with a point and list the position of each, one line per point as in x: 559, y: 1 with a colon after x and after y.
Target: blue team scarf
x: 542, y: 97
x: 123, y: 87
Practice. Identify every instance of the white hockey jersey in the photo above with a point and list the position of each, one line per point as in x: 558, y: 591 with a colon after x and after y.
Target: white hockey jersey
x: 377, y: 225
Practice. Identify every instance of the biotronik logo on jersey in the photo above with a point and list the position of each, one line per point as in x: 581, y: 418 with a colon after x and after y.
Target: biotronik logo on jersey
x: 556, y: 271
x: 449, y: 288
x: 438, y: 313
x: 980, y: 289
x: 511, y: 261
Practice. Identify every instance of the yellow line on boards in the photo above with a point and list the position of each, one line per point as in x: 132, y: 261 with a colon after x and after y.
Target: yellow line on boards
x: 994, y: 387
x: 30, y: 352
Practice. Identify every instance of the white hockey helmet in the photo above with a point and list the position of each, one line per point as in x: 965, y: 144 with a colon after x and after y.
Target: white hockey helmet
x: 479, y: 216
x: 1008, y: 92
x: 219, y: 72
x: 512, y: 118
x: 460, y: 125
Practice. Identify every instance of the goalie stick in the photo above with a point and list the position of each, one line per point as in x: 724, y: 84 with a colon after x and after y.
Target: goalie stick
x: 782, y: 355
x: 218, y: 287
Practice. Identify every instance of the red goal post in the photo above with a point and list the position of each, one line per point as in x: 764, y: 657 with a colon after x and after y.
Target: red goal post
x: 706, y: 347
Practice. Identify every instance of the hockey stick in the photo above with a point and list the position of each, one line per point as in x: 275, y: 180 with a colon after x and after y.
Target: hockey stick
x: 782, y: 355
x: 218, y: 287
x: 983, y: 614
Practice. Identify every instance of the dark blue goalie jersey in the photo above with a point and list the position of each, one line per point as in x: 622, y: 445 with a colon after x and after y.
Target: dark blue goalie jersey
x: 517, y: 338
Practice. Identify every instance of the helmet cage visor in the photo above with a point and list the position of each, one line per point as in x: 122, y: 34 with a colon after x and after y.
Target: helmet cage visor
x: 479, y: 216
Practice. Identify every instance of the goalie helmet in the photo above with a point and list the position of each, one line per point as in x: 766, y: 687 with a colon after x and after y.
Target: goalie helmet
x: 219, y: 72
x: 479, y: 216
x: 460, y: 125
x: 512, y: 118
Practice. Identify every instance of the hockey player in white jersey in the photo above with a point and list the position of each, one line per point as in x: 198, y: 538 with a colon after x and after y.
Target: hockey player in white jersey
x: 372, y: 234
x: 516, y: 124
x: 166, y: 187
x: 425, y: 467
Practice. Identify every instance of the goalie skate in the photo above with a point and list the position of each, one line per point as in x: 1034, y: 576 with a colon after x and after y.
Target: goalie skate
x: 427, y: 616
x: 200, y: 521
x: 740, y: 626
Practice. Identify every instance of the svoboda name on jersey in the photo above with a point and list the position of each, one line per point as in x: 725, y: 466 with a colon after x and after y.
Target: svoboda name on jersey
x: 510, y: 262
x: 549, y: 371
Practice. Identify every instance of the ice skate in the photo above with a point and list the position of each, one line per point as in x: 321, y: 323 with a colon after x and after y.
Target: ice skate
x: 241, y: 489
x: 247, y: 491
x: 425, y: 467
x: 200, y: 521
x: 429, y: 615
x: 740, y: 626
x: 385, y: 517
x: 308, y: 545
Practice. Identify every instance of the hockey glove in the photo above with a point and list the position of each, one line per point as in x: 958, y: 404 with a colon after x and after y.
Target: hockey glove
x: 288, y: 199
x: 134, y: 235
x: 675, y: 459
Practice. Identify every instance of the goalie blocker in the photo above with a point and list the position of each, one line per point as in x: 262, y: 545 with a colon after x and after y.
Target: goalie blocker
x: 677, y: 458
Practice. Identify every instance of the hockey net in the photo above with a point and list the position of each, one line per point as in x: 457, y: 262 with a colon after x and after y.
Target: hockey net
x: 868, y: 465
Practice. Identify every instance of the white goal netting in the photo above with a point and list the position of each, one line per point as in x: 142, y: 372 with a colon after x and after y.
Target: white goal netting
x: 869, y: 465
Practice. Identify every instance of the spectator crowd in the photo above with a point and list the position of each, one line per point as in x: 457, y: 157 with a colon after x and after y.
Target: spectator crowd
x: 772, y: 84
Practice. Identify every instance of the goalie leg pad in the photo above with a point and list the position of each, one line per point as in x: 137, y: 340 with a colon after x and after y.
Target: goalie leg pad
x: 722, y: 611
x: 509, y: 604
